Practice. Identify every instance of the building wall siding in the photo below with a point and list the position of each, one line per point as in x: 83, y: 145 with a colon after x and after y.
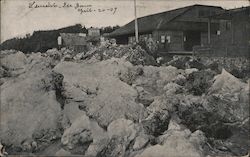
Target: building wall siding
x: 235, y: 31
x: 175, y: 43
x: 131, y: 39
x: 235, y: 35
x: 204, y: 38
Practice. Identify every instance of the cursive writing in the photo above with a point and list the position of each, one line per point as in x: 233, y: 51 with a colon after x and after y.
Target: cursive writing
x: 89, y: 10
x: 81, y: 8
x: 47, y: 5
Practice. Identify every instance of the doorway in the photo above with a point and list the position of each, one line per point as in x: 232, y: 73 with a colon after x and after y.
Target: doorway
x: 191, y: 38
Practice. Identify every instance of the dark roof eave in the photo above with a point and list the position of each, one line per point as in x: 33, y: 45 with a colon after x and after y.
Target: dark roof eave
x: 227, y: 15
x: 130, y: 33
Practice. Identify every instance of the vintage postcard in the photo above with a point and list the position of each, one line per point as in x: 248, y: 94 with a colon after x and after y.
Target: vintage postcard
x: 124, y: 78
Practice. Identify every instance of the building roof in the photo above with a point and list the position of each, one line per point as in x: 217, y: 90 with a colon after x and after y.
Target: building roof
x: 227, y: 14
x: 153, y: 22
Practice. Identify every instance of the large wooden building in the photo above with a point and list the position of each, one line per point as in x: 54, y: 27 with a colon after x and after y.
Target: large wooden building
x: 174, y: 30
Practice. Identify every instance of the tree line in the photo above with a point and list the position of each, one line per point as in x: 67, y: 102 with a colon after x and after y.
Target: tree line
x: 41, y: 41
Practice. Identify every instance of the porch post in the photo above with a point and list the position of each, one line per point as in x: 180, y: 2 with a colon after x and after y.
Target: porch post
x: 209, y: 31
x: 232, y: 31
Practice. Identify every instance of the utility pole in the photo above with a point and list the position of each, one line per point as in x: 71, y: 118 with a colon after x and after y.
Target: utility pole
x: 136, y: 24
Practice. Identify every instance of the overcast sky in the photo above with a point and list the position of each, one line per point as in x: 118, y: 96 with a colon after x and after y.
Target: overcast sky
x: 17, y: 19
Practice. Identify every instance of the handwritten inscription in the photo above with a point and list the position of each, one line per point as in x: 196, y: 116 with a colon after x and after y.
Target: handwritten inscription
x: 81, y: 8
x: 47, y: 5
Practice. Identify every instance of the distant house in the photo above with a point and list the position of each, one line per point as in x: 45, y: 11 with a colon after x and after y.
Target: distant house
x: 74, y: 41
x: 175, y: 30
x: 94, y: 31
x: 233, y: 35
x: 79, y: 42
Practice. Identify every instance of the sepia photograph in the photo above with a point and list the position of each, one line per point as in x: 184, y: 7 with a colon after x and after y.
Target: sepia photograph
x: 125, y: 78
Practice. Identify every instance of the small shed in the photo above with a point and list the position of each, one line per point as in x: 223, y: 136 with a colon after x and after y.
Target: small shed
x: 74, y: 41
x: 94, y: 31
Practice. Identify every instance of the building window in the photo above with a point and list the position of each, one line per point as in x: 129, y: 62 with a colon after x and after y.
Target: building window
x: 168, y: 39
x: 162, y: 39
x: 59, y: 40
